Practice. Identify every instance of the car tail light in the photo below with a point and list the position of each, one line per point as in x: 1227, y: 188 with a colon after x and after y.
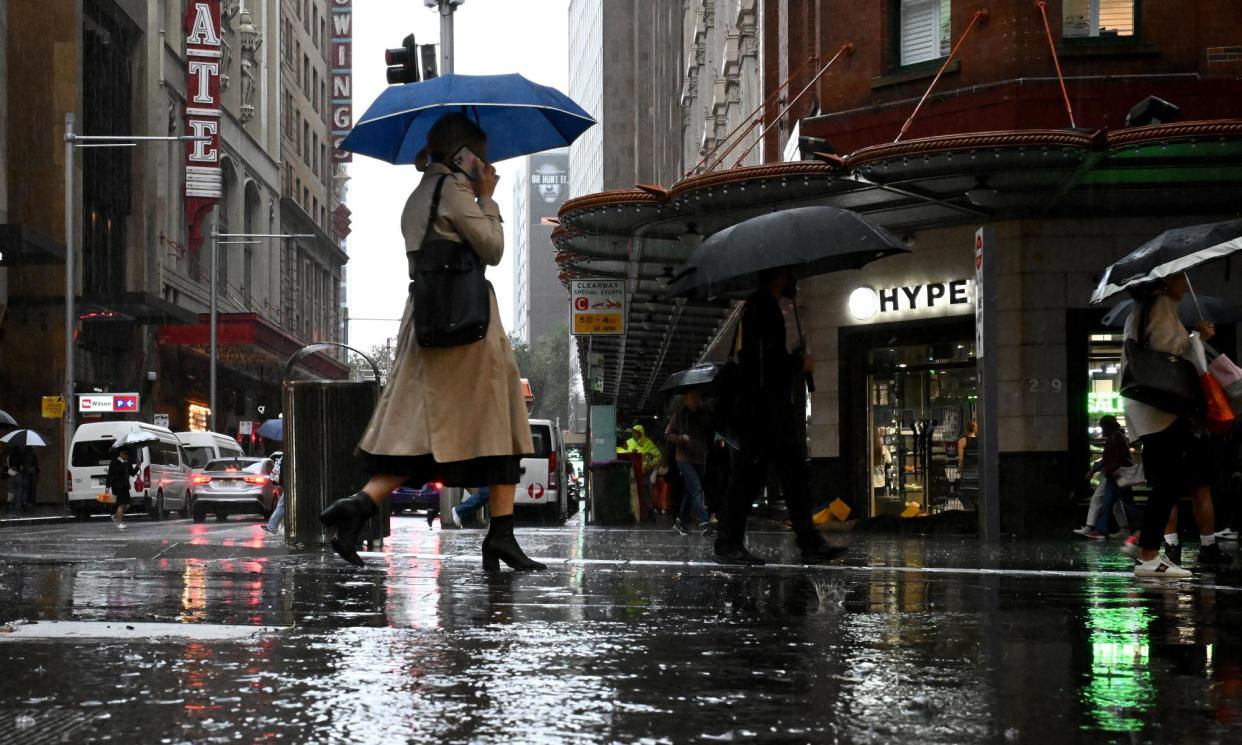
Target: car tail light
x: 141, y: 483
x: 552, y: 480
x: 437, y: 485
x: 68, y: 480
x: 260, y: 480
x: 201, y: 479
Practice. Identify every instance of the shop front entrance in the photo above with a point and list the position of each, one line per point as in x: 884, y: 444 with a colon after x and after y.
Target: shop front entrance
x: 914, y: 394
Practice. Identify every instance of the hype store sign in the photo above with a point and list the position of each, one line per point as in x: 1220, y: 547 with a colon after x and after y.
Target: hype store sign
x: 910, y: 301
x: 204, y: 57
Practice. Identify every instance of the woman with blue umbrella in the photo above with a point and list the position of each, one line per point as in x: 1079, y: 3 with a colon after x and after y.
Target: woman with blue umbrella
x: 453, y: 409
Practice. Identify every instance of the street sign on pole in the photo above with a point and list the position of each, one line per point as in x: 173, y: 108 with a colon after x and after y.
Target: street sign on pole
x: 245, y: 428
x: 53, y: 407
x: 162, y: 420
x: 108, y: 403
x: 597, y: 307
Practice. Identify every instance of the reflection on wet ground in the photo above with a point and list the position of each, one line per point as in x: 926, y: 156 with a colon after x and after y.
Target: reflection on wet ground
x: 917, y: 639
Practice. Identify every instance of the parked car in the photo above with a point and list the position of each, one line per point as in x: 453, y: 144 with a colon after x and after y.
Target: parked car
x: 235, y: 486
x: 425, y: 498
x: 163, y: 479
x: 543, y: 474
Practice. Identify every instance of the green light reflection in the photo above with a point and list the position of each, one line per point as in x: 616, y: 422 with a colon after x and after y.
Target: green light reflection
x: 1119, y: 689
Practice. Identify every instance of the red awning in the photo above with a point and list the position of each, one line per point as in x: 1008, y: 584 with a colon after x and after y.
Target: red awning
x: 248, y: 335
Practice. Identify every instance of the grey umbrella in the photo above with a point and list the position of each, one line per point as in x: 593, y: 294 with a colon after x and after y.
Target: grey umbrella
x: 808, y: 240
x: 6, y: 420
x: 1212, y: 308
x: 698, y: 376
x: 131, y: 439
x: 1169, y: 253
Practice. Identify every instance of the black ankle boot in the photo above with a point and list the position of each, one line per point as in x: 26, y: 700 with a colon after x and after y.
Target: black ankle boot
x: 500, y: 545
x: 348, y: 515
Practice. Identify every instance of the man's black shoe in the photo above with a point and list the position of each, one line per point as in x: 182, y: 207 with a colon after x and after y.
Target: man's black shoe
x: 736, y: 556
x: 822, y: 554
x: 1212, y: 556
x: 1172, y: 553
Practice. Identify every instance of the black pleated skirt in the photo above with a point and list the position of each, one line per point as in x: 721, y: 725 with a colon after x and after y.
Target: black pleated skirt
x: 423, y: 469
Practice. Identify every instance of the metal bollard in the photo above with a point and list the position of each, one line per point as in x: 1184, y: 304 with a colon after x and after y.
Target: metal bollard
x: 324, y: 420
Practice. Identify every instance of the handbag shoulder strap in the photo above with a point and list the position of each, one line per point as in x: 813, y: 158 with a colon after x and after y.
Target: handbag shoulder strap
x: 1144, y: 320
x: 435, y: 207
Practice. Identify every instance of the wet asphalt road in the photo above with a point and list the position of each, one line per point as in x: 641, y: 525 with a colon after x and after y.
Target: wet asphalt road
x: 923, y: 640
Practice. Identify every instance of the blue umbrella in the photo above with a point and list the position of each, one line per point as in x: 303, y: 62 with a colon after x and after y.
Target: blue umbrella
x: 519, y: 117
x: 273, y: 429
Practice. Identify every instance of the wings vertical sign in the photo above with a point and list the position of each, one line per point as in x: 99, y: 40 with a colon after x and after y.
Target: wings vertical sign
x: 342, y: 76
x: 203, y: 59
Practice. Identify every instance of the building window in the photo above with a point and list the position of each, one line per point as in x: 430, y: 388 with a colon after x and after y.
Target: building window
x: 314, y: 91
x: 923, y: 26
x: 1082, y: 19
x: 315, y: 153
x: 305, y: 143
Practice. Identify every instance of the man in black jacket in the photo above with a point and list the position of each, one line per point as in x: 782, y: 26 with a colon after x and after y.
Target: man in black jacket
x: 766, y: 419
x: 119, y: 472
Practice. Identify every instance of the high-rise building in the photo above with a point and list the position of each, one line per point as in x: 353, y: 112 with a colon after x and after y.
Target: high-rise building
x: 143, y: 214
x: 625, y: 69
x: 539, y: 299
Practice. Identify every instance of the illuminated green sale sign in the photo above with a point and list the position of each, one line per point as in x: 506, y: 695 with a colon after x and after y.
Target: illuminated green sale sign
x: 1104, y: 403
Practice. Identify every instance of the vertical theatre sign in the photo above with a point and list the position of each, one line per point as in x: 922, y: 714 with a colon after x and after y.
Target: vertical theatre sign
x: 342, y: 76
x: 203, y: 59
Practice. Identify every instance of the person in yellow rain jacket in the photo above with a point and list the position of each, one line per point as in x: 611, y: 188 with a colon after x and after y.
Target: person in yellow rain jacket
x: 640, y: 443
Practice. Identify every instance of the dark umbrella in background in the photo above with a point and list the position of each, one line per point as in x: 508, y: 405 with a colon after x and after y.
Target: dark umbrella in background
x: 273, y: 429
x: 807, y: 240
x: 700, y: 375
x: 1169, y: 253
x: 6, y: 421
x: 1188, y: 310
x: 23, y: 438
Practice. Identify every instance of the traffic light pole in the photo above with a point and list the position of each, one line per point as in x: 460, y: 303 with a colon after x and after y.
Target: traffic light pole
x: 447, y: 8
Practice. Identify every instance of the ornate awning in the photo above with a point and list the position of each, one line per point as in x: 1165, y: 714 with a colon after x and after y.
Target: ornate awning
x: 643, y: 235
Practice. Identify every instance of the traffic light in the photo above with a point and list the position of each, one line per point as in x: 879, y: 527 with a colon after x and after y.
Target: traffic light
x: 427, y: 54
x: 402, y: 62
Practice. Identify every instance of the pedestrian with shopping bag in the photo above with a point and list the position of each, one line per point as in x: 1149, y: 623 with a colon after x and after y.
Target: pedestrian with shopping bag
x: 433, y: 421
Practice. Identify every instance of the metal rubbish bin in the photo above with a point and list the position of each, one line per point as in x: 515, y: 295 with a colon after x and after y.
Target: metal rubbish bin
x: 611, y: 502
x: 324, y: 420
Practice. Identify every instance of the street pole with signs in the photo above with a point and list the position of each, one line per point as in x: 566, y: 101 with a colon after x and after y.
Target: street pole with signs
x: 73, y: 141
x: 244, y: 238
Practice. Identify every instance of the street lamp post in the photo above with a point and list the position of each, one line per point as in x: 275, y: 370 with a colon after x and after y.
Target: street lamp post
x: 446, y: 8
x: 216, y: 235
x: 73, y: 141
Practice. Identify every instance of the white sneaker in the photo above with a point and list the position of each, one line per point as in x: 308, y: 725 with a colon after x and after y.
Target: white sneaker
x: 1227, y: 535
x: 1130, y: 548
x: 1160, y: 568
x: 121, y: 526
x: 1083, y: 530
x: 456, y: 517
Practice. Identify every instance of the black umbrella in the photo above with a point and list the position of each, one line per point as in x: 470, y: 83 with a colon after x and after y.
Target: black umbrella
x: 808, y: 240
x: 1171, y: 252
x: 6, y: 420
x: 1213, y: 309
x: 23, y: 438
x: 695, y: 377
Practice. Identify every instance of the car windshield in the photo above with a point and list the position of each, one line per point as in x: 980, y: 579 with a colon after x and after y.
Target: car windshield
x: 248, y: 465
x: 199, y: 456
x: 92, y: 453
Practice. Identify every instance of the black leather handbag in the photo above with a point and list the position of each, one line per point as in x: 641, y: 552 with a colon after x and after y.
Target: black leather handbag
x: 1160, y: 379
x: 452, y: 300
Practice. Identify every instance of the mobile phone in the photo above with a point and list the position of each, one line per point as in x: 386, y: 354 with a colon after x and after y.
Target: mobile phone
x: 468, y: 163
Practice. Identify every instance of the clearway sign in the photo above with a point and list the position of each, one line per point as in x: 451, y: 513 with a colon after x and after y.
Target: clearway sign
x: 597, y: 306
x: 108, y: 403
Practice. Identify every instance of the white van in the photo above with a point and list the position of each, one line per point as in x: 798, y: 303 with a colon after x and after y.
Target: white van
x: 163, y: 480
x: 543, y: 474
x: 203, y: 447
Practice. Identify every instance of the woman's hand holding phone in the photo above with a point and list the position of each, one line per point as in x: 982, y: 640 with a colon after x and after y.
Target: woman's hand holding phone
x: 485, y: 184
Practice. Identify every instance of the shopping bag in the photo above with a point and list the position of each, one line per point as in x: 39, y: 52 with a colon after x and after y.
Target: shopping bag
x: 1225, y: 371
x: 106, y: 497
x: 1129, y: 476
x: 1220, y: 416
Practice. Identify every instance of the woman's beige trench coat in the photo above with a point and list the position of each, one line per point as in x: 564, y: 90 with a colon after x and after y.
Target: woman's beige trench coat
x: 456, y: 403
